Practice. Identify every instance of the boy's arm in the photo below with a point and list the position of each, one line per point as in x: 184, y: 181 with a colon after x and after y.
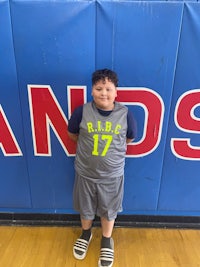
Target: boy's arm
x: 74, y: 122
x: 73, y: 136
x: 128, y: 140
x: 132, y: 128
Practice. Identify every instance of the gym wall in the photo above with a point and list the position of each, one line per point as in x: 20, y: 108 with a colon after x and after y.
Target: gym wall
x: 49, y: 49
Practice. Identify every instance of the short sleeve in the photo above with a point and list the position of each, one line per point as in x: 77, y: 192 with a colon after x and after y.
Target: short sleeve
x: 75, y: 120
x: 132, y: 126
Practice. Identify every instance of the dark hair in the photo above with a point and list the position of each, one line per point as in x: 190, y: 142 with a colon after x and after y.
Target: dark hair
x: 103, y: 74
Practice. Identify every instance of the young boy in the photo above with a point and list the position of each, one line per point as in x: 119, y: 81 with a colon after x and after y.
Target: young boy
x: 102, y: 129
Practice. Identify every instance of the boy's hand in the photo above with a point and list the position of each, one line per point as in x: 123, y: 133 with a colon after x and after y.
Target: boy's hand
x: 129, y: 140
x: 73, y: 136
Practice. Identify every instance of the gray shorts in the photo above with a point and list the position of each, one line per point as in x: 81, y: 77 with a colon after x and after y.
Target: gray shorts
x: 103, y: 199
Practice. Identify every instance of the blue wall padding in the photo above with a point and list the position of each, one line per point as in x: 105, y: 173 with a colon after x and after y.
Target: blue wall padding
x: 180, y: 179
x: 56, y: 44
x: 15, y: 187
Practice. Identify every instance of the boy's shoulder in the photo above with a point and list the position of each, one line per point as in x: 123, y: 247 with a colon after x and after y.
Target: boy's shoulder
x: 120, y: 105
x: 87, y: 104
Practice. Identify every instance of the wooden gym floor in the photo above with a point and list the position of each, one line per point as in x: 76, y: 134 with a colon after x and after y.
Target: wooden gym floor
x: 134, y: 247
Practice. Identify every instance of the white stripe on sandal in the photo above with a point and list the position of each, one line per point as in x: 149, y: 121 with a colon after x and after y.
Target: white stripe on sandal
x: 106, y: 257
x: 80, y: 248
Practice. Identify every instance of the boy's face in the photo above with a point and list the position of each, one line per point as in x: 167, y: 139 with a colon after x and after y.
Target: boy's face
x: 104, y: 93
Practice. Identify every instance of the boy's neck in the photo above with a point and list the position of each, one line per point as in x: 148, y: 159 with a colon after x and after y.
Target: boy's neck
x: 105, y: 110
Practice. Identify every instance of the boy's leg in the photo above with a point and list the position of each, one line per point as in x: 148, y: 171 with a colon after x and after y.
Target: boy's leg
x: 107, y: 227
x: 86, y: 229
x: 84, y: 197
x: 107, y: 244
x: 82, y: 243
x: 86, y: 224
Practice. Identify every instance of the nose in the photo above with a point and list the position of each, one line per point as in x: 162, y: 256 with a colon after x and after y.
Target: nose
x: 103, y: 92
